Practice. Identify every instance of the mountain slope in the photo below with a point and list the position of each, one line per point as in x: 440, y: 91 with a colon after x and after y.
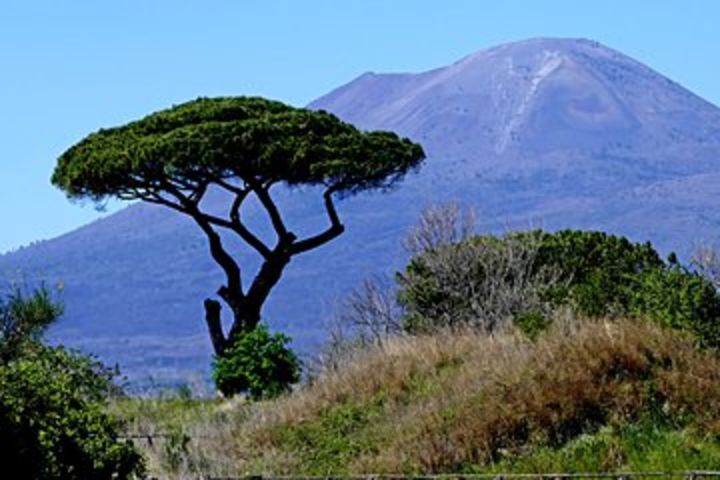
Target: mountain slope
x: 539, y: 102
x: 545, y: 132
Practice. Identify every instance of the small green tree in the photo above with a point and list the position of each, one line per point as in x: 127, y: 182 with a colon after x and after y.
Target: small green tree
x: 242, y: 146
x: 24, y: 319
x: 257, y: 363
x: 53, y: 423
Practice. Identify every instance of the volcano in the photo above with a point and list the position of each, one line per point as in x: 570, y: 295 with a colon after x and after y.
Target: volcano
x: 551, y: 133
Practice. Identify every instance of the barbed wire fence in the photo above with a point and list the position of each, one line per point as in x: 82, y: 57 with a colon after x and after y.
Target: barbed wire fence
x: 683, y: 475
x: 151, y: 438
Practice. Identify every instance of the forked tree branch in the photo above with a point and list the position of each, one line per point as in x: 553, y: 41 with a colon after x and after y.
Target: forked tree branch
x: 263, y: 193
x: 230, y: 187
x: 335, y: 229
x: 156, y: 198
x: 238, y: 227
x: 191, y: 207
x: 217, y: 250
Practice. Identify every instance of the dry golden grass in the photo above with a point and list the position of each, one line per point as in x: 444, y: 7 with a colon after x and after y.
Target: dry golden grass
x: 440, y: 403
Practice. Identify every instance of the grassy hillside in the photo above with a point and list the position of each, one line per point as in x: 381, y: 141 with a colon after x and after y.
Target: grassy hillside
x: 586, y: 396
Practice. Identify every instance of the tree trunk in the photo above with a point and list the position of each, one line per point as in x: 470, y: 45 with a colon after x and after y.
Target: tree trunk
x: 214, y: 323
x: 245, y: 318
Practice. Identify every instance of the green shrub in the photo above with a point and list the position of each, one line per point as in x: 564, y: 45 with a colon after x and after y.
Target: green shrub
x: 679, y: 299
x: 53, y: 423
x: 258, y: 363
x: 530, y: 274
x: 599, y: 269
x: 23, y: 320
x: 531, y: 323
x: 520, y: 274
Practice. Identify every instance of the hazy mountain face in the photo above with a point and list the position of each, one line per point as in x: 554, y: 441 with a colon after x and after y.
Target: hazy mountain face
x: 546, y: 132
x: 558, y: 105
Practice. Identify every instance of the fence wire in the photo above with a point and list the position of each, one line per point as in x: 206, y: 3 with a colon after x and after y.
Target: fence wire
x: 683, y: 475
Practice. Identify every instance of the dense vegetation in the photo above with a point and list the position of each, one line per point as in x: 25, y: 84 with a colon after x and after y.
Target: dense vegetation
x: 587, y: 395
x: 487, y: 281
x: 53, y: 418
x: 528, y: 353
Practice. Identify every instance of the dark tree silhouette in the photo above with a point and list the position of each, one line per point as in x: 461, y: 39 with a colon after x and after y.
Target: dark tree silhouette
x: 243, y: 145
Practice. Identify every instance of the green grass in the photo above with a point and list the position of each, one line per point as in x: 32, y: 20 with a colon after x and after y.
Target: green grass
x: 158, y: 415
x: 603, y: 397
x: 183, y: 432
x: 639, y: 447
x: 330, y: 443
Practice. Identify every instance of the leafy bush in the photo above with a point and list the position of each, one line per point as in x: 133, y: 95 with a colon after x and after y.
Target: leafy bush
x: 488, y: 281
x: 520, y: 274
x: 23, y: 320
x: 600, y: 269
x: 53, y: 423
x: 532, y: 324
x: 609, y: 275
x: 257, y: 363
x: 679, y: 299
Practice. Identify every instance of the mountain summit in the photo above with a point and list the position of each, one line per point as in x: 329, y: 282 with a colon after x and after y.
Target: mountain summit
x: 545, y: 132
x: 535, y: 98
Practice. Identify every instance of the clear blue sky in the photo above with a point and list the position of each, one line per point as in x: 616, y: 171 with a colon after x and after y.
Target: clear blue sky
x: 69, y: 68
